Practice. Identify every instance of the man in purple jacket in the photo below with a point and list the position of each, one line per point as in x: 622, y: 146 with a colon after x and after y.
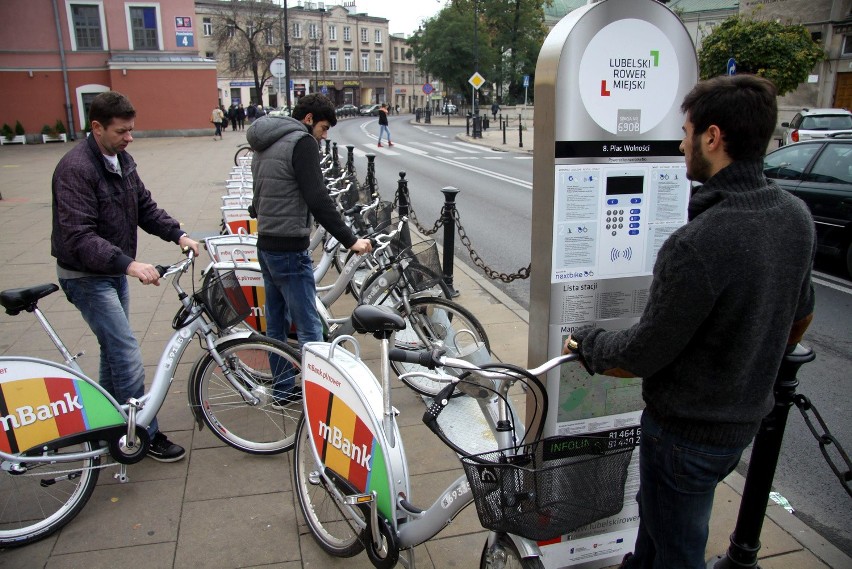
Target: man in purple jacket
x: 98, y: 203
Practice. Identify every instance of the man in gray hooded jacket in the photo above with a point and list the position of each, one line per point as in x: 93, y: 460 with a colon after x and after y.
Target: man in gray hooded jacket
x: 289, y: 192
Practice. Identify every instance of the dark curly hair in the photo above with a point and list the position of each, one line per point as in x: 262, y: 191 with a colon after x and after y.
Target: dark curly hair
x: 318, y: 105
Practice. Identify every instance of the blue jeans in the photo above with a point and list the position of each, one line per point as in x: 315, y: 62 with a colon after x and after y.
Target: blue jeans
x: 383, y: 129
x: 677, y: 481
x: 288, y: 278
x: 104, y: 303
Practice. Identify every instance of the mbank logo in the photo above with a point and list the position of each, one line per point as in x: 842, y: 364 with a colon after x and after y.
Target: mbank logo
x: 27, y: 415
x: 334, y: 436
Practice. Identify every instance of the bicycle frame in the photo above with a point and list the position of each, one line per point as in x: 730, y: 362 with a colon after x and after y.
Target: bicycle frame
x: 138, y: 413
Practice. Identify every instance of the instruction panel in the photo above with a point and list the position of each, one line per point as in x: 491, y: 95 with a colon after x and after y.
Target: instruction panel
x: 611, y: 220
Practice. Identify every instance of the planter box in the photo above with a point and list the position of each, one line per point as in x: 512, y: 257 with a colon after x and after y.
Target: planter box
x: 58, y: 138
x: 22, y: 139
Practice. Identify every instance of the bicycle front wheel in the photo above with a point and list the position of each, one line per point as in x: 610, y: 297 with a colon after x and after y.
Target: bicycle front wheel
x: 335, y: 526
x: 437, y: 322
x: 259, y: 364
x: 39, y: 498
x: 504, y: 554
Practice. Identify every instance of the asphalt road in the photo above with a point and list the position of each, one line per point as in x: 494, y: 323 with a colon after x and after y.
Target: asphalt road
x: 494, y: 203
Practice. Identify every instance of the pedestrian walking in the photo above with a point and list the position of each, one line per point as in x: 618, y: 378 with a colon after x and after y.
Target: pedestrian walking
x: 731, y: 293
x: 241, y: 116
x: 232, y: 117
x: 99, y: 202
x: 216, y: 117
x: 383, y: 124
x: 251, y: 112
x: 495, y: 108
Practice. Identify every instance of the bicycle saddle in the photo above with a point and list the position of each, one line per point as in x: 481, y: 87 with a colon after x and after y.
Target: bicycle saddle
x: 370, y: 319
x: 16, y: 299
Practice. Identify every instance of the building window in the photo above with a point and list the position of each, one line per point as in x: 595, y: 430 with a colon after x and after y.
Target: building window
x: 143, y: 27
x: 314, y: 60
x: 297, y: 30
x: 365, y: 61
x: 378, y: 36
x: 250, y: 28
x: 395, y: 53
x: 332, y: 61
x: 207, y: 27
x: 86, y: 19
x: 347, y: 61
x: 312, y: 31
x: 209, y: 55
x: 232, y: 29
x: 847, y: 46
x: 409, y: 77
x: 232, y: 61
x: 332, y: 33
x: 380, y: 62
x: 270, y: 36
x: 364, y: 35
x: 347, y: 33
x: 296, y: 57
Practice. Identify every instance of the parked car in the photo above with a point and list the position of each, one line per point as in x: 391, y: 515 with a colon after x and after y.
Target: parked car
x: 819, y: 172
x: 816, y: 123
x: 346, y: 110
x: 449, y: 109
x: 370, y: 110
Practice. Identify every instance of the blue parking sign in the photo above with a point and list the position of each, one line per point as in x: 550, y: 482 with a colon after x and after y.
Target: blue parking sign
x: 526, y: 80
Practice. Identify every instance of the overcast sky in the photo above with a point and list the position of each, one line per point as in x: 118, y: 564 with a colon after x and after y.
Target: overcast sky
x: 404, y: 15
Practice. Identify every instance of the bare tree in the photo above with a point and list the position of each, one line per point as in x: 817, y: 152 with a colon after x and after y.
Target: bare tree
x: 249, y: 32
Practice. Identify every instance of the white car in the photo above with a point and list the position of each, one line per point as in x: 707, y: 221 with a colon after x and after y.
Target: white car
x: 816, y: 123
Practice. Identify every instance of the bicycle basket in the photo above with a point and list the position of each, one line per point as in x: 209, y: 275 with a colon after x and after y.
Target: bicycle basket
x: 223, y: 298
x: 380, y: 218
x: 529, y: 492
x: 421, y: 265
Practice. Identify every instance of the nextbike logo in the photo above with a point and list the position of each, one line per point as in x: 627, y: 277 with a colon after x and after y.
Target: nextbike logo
x: 27, y: 415
x: 335, y: 438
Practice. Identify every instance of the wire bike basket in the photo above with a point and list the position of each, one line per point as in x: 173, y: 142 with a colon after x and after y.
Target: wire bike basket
x: 421, y: 265
x: 548, y: 488
x: 223, y: 298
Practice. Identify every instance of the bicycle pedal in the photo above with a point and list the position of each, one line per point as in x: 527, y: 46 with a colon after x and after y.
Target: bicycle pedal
x: 356, y: 499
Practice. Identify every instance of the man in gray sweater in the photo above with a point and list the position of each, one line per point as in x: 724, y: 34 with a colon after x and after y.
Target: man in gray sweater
x: 731, y: 291
x: 289, y: 192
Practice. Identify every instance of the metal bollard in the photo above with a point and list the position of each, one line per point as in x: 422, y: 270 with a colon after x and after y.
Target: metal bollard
x: 467, y: 125
x: 428, y: 116
x: 350, y: 159
x: 335, y: 164
x: 403, y: 202
x: 745, y: 541
x: 371, y: 174
x: 327, y: 147
x: 449, y: 236
x: 520, y: 132
x: 503, y: 125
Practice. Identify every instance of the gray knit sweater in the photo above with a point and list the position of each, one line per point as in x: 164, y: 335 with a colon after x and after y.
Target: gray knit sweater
x: 727, y: 288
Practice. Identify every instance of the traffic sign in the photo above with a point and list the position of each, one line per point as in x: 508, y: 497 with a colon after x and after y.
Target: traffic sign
x: 324, y: 90
x: 427, y: 89
x: 732, y: 66
x: 526, y: 80
x: 476, y: 80
x: 278, y: 67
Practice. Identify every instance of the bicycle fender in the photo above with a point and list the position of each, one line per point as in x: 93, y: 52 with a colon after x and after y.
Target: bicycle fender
x: 44, y: 402
x: 526, y: 547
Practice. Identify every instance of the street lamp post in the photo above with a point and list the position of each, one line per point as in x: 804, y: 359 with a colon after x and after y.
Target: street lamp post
x: 475, y: 53
x: 287, y: 56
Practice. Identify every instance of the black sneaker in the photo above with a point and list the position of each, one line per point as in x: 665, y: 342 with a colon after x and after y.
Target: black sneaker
x: 295, y: 396
x: 164, y: 450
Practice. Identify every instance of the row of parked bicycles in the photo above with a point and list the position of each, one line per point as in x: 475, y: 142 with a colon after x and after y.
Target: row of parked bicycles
x: 60, y: 428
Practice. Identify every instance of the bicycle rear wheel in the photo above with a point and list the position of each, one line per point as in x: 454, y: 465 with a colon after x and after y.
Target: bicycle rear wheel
x: 42, y: 497
x: 242, y: 152
x: 263, y: 428
x: 435, y: 322
x: 334, y: 526
x: 504, y: 555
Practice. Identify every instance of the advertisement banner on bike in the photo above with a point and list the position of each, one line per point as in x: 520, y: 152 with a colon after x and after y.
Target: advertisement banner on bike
x: 346, y: 437
x: 610, y: 187
x: 41, y: 402
x: 238, y: 221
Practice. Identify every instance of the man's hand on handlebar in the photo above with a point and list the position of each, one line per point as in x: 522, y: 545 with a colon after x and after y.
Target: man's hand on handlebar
x: 362, y: 246
x: 147, y: 274
x: 185, y: 242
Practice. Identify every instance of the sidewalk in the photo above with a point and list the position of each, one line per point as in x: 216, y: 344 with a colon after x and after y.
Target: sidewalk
x: 220, y: 508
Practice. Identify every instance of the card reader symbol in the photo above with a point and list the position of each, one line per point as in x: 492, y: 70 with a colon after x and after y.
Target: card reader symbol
x: 617, y: 254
